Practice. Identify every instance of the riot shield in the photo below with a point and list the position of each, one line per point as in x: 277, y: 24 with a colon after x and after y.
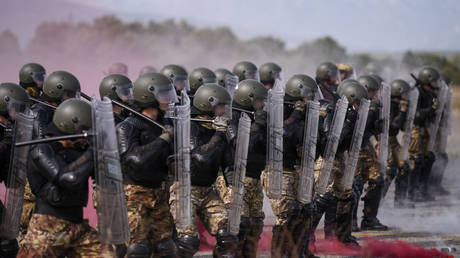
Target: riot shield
x: 445, y: 129
x: 14, y: 194
x: 112, y: 213
x: 274, y: 180
x: 332, y: 144
x: 385, y: 101
x: 310, y: 136
x: 230, y: 83
x: 434, y: 126
x: 241, y: 155
x: 413, y: 101
x: 353, y: 153
x: 182, y: 161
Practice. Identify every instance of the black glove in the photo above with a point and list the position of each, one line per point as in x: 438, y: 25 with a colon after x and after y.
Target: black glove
x: 378, y: 126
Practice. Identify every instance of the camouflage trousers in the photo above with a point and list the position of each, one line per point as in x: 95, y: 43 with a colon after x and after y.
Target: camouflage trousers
x: 368, y: 170
x: 334, y: 186
x: 206, y: 205
x: 49, y: 236
x: 418, y: 141
x: 28, y: 208
x: 253, y: 197
x: 148, y: 213
x: 420, y: 161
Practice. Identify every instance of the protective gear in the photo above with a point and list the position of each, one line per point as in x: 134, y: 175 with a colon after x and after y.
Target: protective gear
x: 138, y: 250
x: 384, y: 97
x: 16, y: 180
x: 152, y: 89
x: 13, y: 99
x: 413, y: 95
x: 398, y: 87
x: 246, y: 70
x: 147, y: 69
x: 275, y: 113
x: 434, y: 126
x: 446, y: 78
x: 269, y: 72
x: 199, y: 77
x: 221, y: 74
x: 178, y: 75
x: 306, y: 178
x: 118, y: 68
x: 247, y: 92
x: 429, y: 76
x: 346, y: 72
x: 239, y: 168
x: 73, y: 116
x: 353, y: 91
x: 61, y: 84
x: 226, y: 244
x: 31, y: 77
x: 112, y: 223
x: 8, y: 248
x: 301, y: 86
x: 209, y: 96
x: 165, y: 248
x: 328, y: 72
x: 369, y: 82
x: 117, y: 87
x: 187, y: 246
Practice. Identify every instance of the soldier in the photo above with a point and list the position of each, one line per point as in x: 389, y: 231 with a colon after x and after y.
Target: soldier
x: 178, y: 75
x: 144, y: 148
x: 120, y: 88
x: 346, y: 72
x: 58, y: 86
x: 210, y: 152
x: 292, y: 225
x: 397, y: 168
x: 337, y: 200
x: 250, y: 96
x: 12, y: 100
x: 199, y: 77
x: 368, y: 167
x: 246, y: 70
x: 328, y: 78
x: 58, y: 174
x: 268, y: 73
x: 421, y: 160
x: 31, y: 78
x: 147, y: 69
x: 117, y: 68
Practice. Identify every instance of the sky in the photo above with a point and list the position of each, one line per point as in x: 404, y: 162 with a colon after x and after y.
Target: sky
x: 359, y: 25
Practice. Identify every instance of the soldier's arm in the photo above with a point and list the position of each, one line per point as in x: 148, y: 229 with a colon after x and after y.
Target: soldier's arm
x: 77, y: 173
x: 203, y: 155
x: 43, y: 157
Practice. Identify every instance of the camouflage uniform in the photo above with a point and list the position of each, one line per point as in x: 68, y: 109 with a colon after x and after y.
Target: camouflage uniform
x: 49, y: 236
x: 28, y: 207
x: 417, y: 152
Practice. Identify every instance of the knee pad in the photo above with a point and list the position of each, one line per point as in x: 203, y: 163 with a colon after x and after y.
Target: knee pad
x: 138, y: 250
x: 187, y: 245
x: 226, y: 243
x: 257, y: 226
x: 392, y: 171
x: 245, y: 227
x: 430, y: 158
x: 165, y: 248
x: 8, y: 248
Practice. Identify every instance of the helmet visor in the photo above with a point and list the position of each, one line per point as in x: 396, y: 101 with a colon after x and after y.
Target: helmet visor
x: 181, y: 83
x: 125, y: 92
x: 15, y: 107
x: 251, y: 75
x: 38, y: 77
x: 307, y: 92
x: 165, y: 94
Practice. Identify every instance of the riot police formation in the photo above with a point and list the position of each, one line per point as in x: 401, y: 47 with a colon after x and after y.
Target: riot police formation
x: 174, y: 147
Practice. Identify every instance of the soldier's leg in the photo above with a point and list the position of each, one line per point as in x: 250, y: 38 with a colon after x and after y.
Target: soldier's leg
x: 161, y: 225
x: 187, y: 242
x: 429, y: 159
x: 358, y: 188
x: 402, y: 186
x: 87, y: 243
x: 139, y: 200
x: 28, y: 207
x: 215, y: 218
x: 439, y: 167
x: 344, y: 217
x: 253, y: 210
x: 361, y: 176
x: 417, y: 160
x: 47, y: 236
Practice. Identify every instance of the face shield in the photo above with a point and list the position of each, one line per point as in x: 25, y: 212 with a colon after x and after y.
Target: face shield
x: 125, y: 92
x: 14, y: 107
x: 251, y: 75
x: 165, y: 94
x: 38, y: 77
x: 277, y: 75
x: 181, y: 83
x: 334, y: 77
x: 306, y: 92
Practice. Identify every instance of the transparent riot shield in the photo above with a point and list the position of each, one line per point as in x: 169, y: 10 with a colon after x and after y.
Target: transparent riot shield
x: 413, y: 101
x: 385, y: 101
x: 230, y: 83
x: 356, y: 141
x: 241, y: 155
x: 182, y: 161
x: 14, y: 194
x: 112, y: 213
x: 274, y: 180
x: 445, y: 129
x: 307, y: 177
x: 332, y: 144
x: 434, y: 126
